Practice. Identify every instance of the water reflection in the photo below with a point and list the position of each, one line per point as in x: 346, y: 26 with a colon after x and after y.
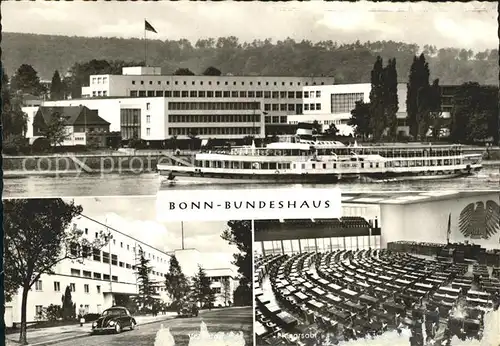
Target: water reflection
x: 149, y: 184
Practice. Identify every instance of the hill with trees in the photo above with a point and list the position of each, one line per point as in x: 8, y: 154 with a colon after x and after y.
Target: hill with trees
x: 348, y: 63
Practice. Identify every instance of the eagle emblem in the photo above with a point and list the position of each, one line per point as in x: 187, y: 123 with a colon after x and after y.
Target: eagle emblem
x: 480, y: 222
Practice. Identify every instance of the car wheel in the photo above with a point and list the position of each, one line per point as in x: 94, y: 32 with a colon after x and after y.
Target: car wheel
x: 132, y: 325
x: 118, y: 328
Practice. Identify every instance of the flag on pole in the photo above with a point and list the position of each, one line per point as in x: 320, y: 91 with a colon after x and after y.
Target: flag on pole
x: 149, y: 27
x: 449, y: 229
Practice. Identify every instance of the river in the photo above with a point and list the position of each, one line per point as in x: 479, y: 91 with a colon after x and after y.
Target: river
x: 149, y: 184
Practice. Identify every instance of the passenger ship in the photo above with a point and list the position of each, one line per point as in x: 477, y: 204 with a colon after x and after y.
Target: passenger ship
x: 293, y: 159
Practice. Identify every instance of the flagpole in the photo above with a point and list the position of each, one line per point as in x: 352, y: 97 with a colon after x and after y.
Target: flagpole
x: 145, y: 46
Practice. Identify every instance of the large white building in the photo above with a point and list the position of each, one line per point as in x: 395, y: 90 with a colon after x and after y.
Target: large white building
x: 152, y: 106
x: 332, y: 104
x: 106, y: 273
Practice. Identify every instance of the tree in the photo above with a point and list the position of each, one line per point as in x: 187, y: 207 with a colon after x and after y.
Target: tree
x: 475, y: 113
x: 35, y: 245
x: 176, y: 282
x: 68, y: 307
x: 56, y: 87
x: 210, y: 298
x: 332, y: 130
x: 14, y: 120
x: 239, y: 233
x: 183, y: 72
x: 360, y: 119
x: 226, y: 291
x: 146, y: 288
x: 26, y: 81
x: 212, y: 71
x: 417, y: 107
x: 378, y: 120
x: 55, y: 131
x: 436, y: 116
x: 391, y: 104
x: 201, y: 286
x: 193, y: 136
x: 317, y: 128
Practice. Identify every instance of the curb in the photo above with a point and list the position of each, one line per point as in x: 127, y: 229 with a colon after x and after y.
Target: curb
x: 81, y: 336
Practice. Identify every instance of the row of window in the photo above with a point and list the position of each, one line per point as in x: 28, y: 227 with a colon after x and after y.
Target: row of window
x: 72, y: 286
x: 148, y: 255
x: 212, y: 118
x: 186, y: 131
x: 275, y: 119
x: 181, y: 106
x: 99, y: 80
x: 98, y: 276
x: 317, y: 245
x: 291, y: 107
x: 312, y: 106
x: 99, y: 93
x: 219, y: 83
x: 219, y: 93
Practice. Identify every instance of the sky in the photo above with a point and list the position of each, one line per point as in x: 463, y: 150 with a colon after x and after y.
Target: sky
x: 136, y: 217
x: 453, y: 24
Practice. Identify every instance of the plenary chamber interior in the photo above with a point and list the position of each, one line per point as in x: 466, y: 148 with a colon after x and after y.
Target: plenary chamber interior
x: 392, y: 268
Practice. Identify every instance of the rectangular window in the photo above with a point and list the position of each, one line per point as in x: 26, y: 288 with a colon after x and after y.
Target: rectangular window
x: 151, y: 93
x: 96, y: 253
x: 318, y: 93
x: 275, y: 107
x: 311, y: 106
x: 114, y: 259
x: 306, y: 94
x: 148, y: 106
x: 148, y: 131
x: 159, y: 93
x: 72, y: 287
x: 38, y: 311
x: 267, y: 107
x: 306, y: 106
x: 105, y: 257
x: 298, y: 94
x: 97, y: 276
x: 57, y: 286
x: 185, y: 93
x: 75, y: 272
x: 258, y: 94
x: 177, y: 93
x: 318, y: 106
x: 218, y: 94
x: 291, y: 94
x: 38, y: 285
x: 148, y: 120
x: 86, y: 288
x: 344, y: 103
x: 275, y: 94
x: 98, y: 289
x: 210, y: 94
x: 227, y: 93
x: 114, y: 278
x: 87, y: 274
x: 283, y: 107
x: 105, y: 277
x: 267, y: 94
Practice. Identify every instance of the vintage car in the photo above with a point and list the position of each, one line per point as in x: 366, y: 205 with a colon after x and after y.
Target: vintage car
x: 114, y: 320
x: 187, y: 309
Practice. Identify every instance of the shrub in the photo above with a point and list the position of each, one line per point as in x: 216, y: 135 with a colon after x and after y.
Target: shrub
x: 53, y: 312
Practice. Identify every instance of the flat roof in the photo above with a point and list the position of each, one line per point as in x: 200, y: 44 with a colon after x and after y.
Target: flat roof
x: 405, y: 198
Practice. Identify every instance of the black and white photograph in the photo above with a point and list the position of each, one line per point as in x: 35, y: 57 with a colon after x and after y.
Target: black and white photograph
x: 104, y: 271
x: 368, y: 96
x: 389, y: 269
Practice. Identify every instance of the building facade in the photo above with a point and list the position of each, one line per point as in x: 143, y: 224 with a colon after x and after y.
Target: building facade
x: 332, y: 104
x: 95, y: 282
x: 110, y: 272
x: 153, y: 106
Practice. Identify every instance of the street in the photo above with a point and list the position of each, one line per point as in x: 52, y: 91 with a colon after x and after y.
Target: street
x: 218, y: 320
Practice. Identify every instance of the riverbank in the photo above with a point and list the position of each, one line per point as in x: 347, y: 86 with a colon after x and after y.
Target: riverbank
x: 90, y: 163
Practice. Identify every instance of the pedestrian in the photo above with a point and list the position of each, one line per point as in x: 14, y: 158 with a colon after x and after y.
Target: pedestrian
x: 81, y: 314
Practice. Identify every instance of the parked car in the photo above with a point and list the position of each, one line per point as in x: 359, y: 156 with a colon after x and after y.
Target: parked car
x: 114, y: 320
x: 187, y: 309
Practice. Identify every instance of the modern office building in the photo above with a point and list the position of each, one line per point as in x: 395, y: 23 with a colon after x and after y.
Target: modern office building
x: 144, y: 103
x: 332, y: 104
x: 110, y: 272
